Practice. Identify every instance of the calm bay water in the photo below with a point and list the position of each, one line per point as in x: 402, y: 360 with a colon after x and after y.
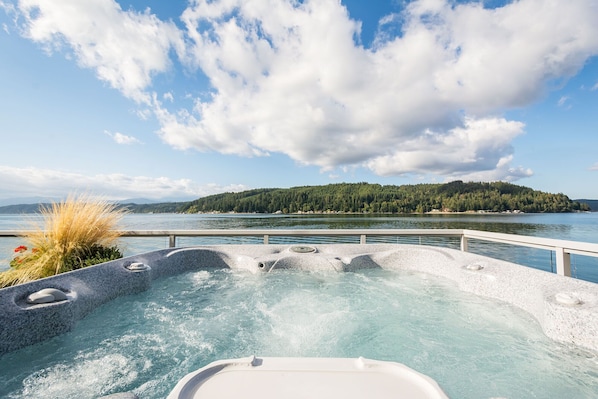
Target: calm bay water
x: 572, y: 226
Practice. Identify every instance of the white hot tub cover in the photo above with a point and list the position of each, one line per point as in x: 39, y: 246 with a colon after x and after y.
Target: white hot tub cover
x: 302, y: 378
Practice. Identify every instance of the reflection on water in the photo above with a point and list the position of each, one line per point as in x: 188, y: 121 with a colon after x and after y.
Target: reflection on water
x: 579, y: 226
x: 573, y: 226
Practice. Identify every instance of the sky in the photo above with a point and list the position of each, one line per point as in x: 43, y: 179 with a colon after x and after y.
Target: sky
x: 176, y: 100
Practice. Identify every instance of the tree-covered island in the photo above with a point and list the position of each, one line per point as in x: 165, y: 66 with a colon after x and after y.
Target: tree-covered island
x: 367, y: 198
x: 456, y: 196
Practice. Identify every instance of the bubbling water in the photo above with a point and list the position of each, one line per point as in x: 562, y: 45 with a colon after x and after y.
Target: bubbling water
x: 473, y: 347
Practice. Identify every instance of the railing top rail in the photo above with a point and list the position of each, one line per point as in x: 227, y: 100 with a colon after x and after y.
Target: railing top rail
x: 531, y: 241
x: 272, y: 232
x: 582, y: 248
x: 296, y: 232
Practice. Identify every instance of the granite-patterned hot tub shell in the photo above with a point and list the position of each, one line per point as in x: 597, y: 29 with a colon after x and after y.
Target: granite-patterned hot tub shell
x: 566, y: 308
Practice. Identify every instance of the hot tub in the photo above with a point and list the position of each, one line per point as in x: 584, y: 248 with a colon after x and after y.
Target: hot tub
x: 476, y: 325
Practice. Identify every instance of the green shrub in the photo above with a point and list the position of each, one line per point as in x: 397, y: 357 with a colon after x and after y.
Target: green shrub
x: 91, y: 256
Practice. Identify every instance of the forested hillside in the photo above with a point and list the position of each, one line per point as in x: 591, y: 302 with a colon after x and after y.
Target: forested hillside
x: 456, y: 196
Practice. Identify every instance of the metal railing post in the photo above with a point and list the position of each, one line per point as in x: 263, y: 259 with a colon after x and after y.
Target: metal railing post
x: 563, y: 262
x: 362, y: 239
x: 463, y: 243
x: 266, y: 239
x: 172, y: 241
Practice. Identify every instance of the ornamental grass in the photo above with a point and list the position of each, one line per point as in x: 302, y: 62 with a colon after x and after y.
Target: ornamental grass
x: 72, y: 234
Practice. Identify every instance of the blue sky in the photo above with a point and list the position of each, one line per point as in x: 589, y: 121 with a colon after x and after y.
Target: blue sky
x: 178, y: 100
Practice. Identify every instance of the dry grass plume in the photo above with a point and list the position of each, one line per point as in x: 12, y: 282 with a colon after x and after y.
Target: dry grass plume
x: 67, y: 228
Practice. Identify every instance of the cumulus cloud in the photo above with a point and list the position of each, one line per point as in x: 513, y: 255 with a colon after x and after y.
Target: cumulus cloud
x: 289, y: 78
x: 125, y: 48
x: 168, y: 96
x: 120, y: 138
x: 292, y: 77
x: 480, y: 145
x: 23, y: 182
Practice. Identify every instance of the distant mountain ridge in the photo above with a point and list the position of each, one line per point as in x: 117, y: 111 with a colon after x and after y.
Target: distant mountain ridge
x: 27, y: 201
x: 156, y: 207
x: 140, y: 205
x: 48, y: 200
x: 455, y: 196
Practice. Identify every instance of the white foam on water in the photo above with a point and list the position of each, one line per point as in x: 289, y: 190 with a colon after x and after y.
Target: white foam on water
x: 85, y: 377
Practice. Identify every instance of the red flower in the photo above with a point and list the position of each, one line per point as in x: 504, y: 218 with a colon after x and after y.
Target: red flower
x: 21, y: 248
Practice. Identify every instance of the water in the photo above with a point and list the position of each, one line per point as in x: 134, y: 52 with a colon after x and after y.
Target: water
x: 474, y: 348
x: 571, y: 226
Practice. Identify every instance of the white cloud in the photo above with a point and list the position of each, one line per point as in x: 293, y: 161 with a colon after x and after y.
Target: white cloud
x: 503, y: 171
x: 144, y: 114
x: 290, y: 79
x: 594, y: 167
x: 8, y: 7
x: 287, y: 76
x: 24, y: 182
x: 125, y: 48
x: 168, y: 96
x: 122, y: 138
x: 481, y: 145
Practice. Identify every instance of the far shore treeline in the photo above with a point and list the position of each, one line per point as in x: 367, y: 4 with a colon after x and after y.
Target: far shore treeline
x: 456, y: 196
